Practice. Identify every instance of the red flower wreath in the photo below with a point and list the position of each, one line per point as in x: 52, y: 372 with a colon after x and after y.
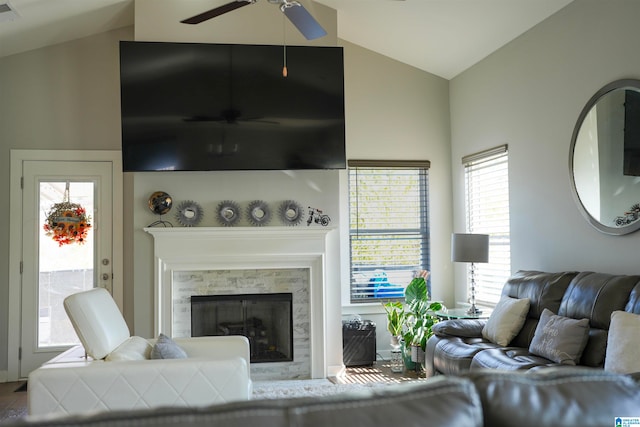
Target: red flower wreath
x: 67, y: 223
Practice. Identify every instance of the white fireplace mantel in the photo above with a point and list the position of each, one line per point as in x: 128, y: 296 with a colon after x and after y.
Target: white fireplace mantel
x: 229, y: 248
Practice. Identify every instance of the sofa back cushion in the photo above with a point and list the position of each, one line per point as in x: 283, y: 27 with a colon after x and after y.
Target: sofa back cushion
x: 439, y: 401
x: 595, y: 296
x: 544, y: 290
x: 568, y: 397
x: 97, y: 321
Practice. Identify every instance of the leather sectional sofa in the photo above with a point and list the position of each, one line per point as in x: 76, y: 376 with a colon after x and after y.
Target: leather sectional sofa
x: 552, y: 397
x: 458, y: 346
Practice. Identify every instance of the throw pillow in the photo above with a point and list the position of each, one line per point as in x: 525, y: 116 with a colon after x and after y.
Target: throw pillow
x: 623, y: 343
x: 133, y: 348
x: 506, y: 320
x: 166, y: 348
x: 560, y: 339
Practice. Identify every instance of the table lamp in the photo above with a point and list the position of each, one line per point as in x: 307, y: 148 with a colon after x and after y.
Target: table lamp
x: 470, y: 248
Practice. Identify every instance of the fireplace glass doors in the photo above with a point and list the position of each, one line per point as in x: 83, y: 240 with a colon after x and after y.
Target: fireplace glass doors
x: 265, y: 319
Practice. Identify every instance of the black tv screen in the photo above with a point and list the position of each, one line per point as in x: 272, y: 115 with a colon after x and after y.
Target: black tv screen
x: 631, y: 157
x: 203, y: 107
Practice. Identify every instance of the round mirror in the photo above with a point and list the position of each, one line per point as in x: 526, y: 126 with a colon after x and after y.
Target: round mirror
x: 604, y: 158
x: 290, y: 212
x: 259, y: 213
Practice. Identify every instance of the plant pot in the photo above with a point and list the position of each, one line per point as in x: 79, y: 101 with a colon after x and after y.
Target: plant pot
x: 406, y: 353
x: 395, y: 342
x: 417, y: 354
x: 397, y: 361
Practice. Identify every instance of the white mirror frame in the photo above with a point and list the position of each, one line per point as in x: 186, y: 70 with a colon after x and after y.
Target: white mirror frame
x: 618, y: 231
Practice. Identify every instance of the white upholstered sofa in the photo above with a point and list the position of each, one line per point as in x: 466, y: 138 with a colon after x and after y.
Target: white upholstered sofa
x: 112, y: 370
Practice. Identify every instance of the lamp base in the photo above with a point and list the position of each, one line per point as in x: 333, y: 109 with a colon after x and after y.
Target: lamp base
x: 473, y: 310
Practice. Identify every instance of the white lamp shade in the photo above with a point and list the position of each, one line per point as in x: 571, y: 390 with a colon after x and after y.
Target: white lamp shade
x: 469, y: 247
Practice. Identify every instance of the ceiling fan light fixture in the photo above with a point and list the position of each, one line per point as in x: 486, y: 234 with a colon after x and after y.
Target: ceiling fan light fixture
x: 302, y: 20
x: 287, y: 4
x: 292, y: 9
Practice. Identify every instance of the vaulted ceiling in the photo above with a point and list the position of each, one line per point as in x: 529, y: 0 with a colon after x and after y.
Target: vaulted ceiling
x: 443, y: 37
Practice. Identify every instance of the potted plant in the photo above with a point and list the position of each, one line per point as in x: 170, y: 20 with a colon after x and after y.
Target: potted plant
x: 395, y: 321
x: 414, y: 319
x: 420, y: 315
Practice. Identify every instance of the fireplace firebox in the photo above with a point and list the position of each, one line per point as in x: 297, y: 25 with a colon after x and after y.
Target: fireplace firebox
x: 265, y: 319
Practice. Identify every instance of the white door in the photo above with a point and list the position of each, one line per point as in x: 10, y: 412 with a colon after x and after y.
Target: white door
x: 74, y: 253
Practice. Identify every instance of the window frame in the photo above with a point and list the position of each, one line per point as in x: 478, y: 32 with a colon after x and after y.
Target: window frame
x: 357, y: 270
x: 490, y: 277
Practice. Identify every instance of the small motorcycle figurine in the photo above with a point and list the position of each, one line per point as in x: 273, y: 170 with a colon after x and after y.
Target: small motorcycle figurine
x: 632, y: 216
x: 316, y: 215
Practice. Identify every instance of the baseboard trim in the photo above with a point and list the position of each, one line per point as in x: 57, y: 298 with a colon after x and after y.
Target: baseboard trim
x: 335, y: 370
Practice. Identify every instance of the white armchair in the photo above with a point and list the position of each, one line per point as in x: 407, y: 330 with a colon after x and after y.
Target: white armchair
x: 116, y: 371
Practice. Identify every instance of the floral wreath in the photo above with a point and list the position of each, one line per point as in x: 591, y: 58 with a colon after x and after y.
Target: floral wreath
x: 67, y: 222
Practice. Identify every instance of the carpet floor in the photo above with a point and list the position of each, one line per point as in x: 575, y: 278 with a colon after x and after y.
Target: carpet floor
x: 305, y: 388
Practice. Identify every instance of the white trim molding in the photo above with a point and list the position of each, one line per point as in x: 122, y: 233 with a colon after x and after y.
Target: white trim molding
x: 15, y: 235
x: 237, y: 248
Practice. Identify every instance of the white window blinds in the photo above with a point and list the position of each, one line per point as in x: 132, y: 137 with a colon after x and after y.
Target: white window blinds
x: 389, y: 238
x: 487, y: 212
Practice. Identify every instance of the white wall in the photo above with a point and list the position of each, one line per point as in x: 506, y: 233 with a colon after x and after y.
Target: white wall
x: 208, y: 189
x: 529, y: 95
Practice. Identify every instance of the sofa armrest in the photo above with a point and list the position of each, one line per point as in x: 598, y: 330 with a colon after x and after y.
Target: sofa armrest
x: 79, y: 387
x: 466, y: 328
x: 218, y: 347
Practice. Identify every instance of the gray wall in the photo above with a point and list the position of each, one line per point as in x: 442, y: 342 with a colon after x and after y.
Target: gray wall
x: 67, y: 97
x: 63, y: 97
x: 400, y: 112
x: 529, y: 95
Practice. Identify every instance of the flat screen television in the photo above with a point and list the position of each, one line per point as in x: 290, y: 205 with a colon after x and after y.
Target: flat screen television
x: 631, y: 133
x: 204, y: 107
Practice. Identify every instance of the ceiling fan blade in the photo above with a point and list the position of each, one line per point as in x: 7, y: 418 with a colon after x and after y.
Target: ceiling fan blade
x: 302, y: 19
x: 204, y: 16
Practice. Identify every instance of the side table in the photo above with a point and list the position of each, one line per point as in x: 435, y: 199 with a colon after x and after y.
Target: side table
x: 461, y: 313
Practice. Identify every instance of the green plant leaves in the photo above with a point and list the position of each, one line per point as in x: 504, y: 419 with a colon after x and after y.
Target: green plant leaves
x: 416, y: 290
x: 414, y: 319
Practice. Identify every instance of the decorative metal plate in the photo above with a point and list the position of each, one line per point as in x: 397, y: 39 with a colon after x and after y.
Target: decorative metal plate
x: 290, y: 212
x: 228, y: 213
x: 189, y: 213
x: 259, y: 213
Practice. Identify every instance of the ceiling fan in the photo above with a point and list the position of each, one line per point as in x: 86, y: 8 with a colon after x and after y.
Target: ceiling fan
x: 297, y: 14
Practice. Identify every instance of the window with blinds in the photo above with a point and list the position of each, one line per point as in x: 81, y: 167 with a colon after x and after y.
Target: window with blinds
x: 487, y: 212
x: 389, y: 230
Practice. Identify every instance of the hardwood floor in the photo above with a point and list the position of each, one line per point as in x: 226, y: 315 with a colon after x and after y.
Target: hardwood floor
x: 380, y: 371
x: 13, y: 404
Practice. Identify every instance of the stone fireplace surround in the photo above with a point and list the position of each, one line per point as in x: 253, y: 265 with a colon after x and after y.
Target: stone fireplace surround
x: 210, y: 249
x: 250, y: 281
